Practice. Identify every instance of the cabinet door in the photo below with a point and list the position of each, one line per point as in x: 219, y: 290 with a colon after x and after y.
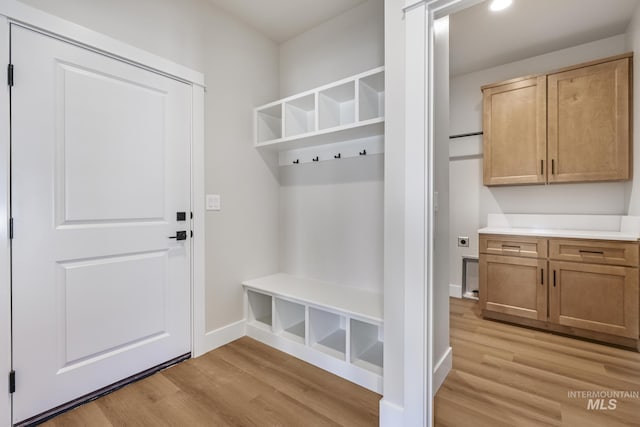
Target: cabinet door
x: 600, y: 298
x: 515, y: 286
x: 589, y: 123
x: 514, y: 126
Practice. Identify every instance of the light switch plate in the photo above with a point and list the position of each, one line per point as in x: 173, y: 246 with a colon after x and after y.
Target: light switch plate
x: 213, y: 202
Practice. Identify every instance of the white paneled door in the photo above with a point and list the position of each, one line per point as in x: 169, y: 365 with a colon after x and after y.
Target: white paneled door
x: 100, y: 168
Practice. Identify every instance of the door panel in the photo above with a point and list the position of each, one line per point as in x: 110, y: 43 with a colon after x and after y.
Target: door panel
x: 599, y: 298
x: 92, y: 291
x: 589, y: 123
x: 100, y: 166
x: 130, y: 127
x: 515, y: 140
x: 514, y: 286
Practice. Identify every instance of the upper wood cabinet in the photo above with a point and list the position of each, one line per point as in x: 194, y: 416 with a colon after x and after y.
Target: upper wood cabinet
x: 572, y: 125
x: 515, y: 126
x: 588, y: 123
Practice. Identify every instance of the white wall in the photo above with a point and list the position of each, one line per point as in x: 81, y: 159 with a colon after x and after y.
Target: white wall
x: 632, y: 43
x: 331, y: 213
x: 241, y: 71
x: 346, y: 45
x: 471, y: 202
x: 331, y: 221
x: 441, y: 350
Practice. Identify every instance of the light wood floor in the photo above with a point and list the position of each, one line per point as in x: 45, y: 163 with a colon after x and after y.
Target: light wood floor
x: 502, y: 375
x: 505, y: 375
x: 244, y: 383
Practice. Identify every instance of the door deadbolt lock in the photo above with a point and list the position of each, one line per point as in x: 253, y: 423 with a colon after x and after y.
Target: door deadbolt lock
x: 180, y: 235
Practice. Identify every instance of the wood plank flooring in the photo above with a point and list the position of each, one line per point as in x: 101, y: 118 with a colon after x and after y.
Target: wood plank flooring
x: 244, y: 383
x: 506, y: 375
x: 502, y: 375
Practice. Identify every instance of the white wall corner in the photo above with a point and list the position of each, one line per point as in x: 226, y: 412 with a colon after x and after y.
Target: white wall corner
x: 224, y: 335
x: 391, y: 415
x: 442, y: 369
x: 455, y: 290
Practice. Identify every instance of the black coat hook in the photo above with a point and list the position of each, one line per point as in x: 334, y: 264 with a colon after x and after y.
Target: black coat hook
x: 315, y: 159
x: 363, y: 153
x: 296, y: 161
x: 337, y: 156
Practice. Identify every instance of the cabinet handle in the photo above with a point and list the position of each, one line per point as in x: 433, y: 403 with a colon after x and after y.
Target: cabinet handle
x: 542, y: 276
x: 514, y: 247
x: 584, y: 251
x: 554, y: 278
x: 541, y: 167
x: 553, y: 166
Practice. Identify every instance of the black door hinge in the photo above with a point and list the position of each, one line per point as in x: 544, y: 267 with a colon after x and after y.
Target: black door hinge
x: 10, y: 75
x: 10, y: 228
x: 191, y: 233
x: 12, y: 382
x: 191, y: 215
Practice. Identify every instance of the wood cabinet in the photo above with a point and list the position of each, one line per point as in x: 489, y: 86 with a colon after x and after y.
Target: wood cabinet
x: 600, y: 298
x: 572, y: 125
x: 582, y: 287
x: 518, y: 286
x: 515, y: 126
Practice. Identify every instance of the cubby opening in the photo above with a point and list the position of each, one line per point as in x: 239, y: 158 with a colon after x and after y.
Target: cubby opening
x: 300, y: 115
x: 337, y: 106
x: 260, y: 310
x: 366, y: 346
x: 269, y: 123
x: 327, y: 333
x: 371, y: 96
x: 290, y: 320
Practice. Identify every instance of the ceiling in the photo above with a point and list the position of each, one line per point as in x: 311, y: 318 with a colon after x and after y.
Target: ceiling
x: 281, y: 20
x: 482, y: 39
x: 479, y: 38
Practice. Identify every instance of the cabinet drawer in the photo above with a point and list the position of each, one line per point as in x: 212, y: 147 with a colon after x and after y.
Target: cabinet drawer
x: 594, y: 251
x: 518, y: 246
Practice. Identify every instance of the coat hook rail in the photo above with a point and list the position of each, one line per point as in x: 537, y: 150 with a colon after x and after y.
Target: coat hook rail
x: 464, y: 135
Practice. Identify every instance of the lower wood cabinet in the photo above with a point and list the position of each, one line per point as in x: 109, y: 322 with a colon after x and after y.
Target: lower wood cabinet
x: 600, y: 298
x: 517, y: 286
x: 586, y: 296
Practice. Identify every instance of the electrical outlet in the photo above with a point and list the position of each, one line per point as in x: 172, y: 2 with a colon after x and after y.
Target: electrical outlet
x: 463, y: 242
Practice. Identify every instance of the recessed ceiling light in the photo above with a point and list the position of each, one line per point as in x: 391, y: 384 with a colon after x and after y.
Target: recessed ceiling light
x: 497, y: 5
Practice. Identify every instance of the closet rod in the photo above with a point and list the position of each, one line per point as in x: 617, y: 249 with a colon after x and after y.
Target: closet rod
x: 463, y: 135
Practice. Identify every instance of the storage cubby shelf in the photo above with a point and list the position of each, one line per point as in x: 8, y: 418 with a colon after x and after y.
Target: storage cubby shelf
x: 354, y: 302
x: 351, y: 108
x: 336, y: 328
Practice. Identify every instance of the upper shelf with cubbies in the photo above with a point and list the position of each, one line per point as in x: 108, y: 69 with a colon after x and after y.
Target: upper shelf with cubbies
x: 348, y: 109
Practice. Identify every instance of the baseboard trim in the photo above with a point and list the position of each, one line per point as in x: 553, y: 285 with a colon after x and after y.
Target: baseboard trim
x: 442, y: 369
x: 455, y: 291
x: 391, y: 415
x: 224, y: 335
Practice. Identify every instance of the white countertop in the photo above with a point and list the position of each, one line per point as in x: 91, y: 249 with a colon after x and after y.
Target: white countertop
x: 599, y: 227
x: 568, y: 234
